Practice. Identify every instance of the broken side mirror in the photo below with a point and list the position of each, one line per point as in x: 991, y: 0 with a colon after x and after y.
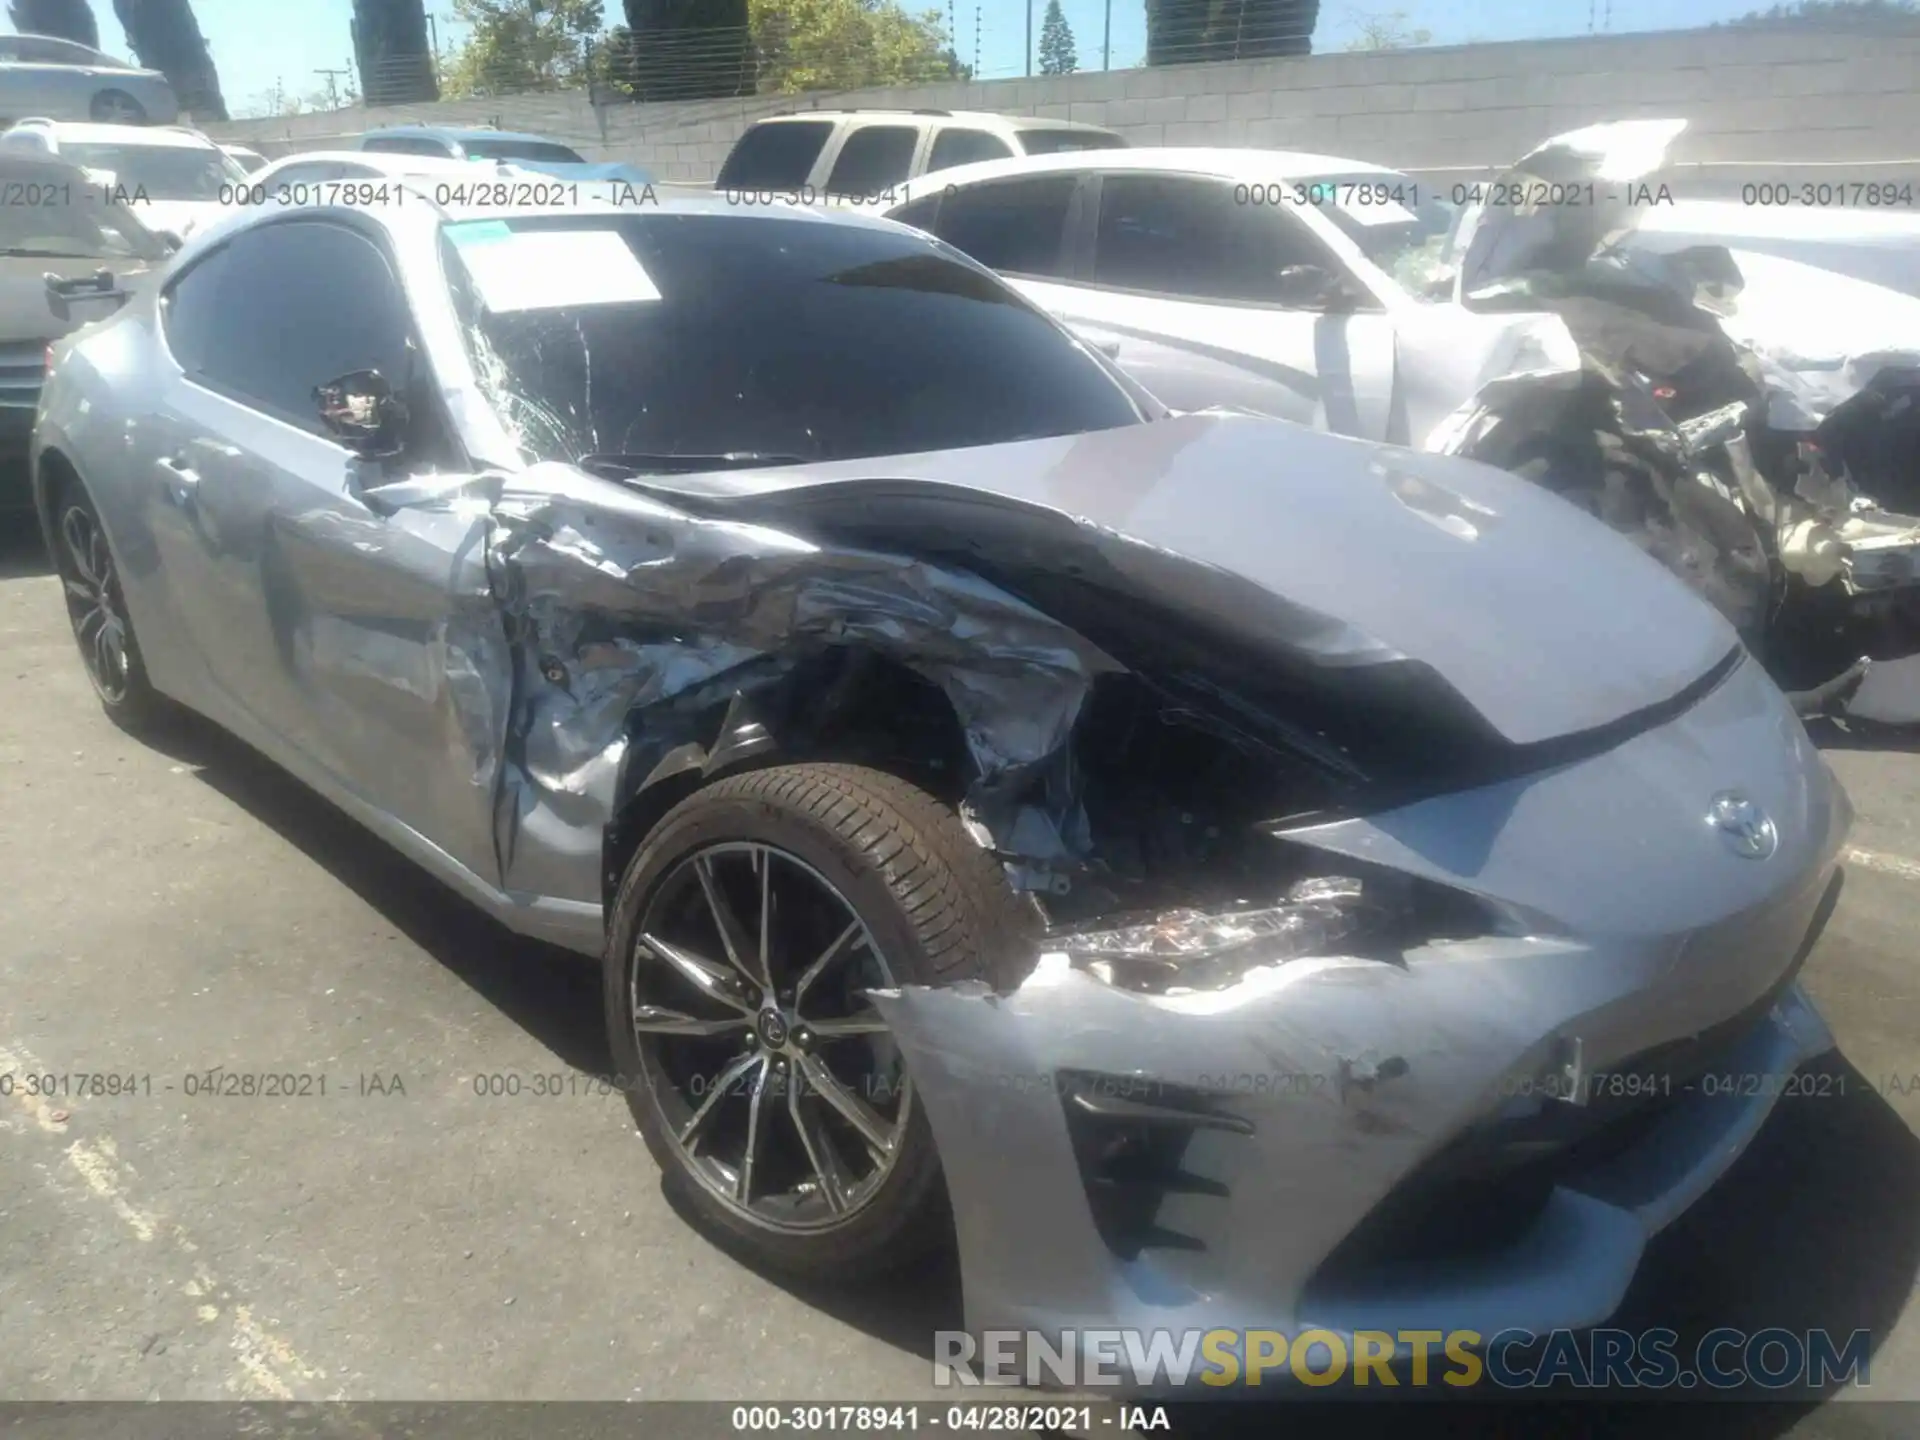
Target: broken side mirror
x: 362, y: 412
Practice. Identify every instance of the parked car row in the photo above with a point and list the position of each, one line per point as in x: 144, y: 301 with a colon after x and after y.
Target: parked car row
x: 46, y: 75
x: 94, y: 208
x: 966, y: 770
x: 1748, y: 418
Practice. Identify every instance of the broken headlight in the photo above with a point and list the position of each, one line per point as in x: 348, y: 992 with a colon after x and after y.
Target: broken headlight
x: 1191, y: 949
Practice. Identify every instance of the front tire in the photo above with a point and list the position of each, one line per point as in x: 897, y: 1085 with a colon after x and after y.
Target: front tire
x: 746, y: 930
x: 97, y: 610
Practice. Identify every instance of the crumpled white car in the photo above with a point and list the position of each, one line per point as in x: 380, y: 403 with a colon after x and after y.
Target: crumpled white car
x: 1357, y: 299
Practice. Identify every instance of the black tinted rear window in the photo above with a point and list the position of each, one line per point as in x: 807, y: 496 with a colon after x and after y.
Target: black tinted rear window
x: 874, y: 158
x: 787, y: 337
x: 954, y: 146
x: 1010, y: 225
x: 774, y: 155
x: 405, y: 145
x: 541, y: 151
x: 1056, y: 142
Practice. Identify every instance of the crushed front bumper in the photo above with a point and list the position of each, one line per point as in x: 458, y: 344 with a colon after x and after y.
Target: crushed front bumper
x: 1479, y: 1134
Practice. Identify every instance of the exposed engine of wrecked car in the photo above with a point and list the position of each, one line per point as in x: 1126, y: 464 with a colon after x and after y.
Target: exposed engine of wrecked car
x: 1788, y: 511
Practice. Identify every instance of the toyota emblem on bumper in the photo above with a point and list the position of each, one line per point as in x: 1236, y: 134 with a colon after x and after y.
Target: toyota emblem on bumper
x: 1743, y: 825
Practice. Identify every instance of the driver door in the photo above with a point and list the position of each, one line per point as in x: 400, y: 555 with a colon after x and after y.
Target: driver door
x: 1210, y: 301
x: 364, y: 644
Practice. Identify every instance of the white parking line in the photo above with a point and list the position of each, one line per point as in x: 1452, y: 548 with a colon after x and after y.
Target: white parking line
x: 265, y: 1365
x: 1886, y: 864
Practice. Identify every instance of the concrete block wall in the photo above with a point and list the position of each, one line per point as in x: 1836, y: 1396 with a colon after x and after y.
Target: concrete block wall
x: 1763, y: 105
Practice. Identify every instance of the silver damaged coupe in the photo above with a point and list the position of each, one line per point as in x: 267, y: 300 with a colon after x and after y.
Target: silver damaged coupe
x: 1219, y: 873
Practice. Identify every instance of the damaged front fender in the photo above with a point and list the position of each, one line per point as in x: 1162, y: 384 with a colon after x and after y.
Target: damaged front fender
x: 636, y: 626
x: 1316, y: 1138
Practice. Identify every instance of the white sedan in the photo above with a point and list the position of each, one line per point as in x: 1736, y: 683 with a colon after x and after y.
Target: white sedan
x: 304, y: 171
x: 1318, y: 289
x: 1359, y: 300
x: 1271, y: 281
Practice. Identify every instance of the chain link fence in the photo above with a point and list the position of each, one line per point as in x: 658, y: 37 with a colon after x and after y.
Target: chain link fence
x: 778, y: 57
x: 885, y: 47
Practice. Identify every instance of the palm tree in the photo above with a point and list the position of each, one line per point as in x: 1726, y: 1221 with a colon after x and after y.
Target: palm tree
x: 390, y: 46
x: 166, y: 37
x: 66, y: 19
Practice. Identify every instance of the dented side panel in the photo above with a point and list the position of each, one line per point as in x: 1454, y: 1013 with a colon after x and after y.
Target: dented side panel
x: 632, y: 621
x: 397, y: 656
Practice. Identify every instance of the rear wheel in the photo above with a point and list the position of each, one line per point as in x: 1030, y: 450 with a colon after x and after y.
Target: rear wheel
x: 747, y: 930
x: 97, y: 610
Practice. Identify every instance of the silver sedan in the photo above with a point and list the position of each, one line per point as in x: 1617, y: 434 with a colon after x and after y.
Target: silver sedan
x: 1184, y: 851
x: 41, y: 75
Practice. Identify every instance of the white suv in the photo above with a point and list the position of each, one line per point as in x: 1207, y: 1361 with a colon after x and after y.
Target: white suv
x: 174, y: 177
x: 818, y: 154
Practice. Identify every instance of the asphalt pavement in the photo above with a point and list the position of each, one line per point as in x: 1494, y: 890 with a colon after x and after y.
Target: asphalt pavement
x: 178, y: 907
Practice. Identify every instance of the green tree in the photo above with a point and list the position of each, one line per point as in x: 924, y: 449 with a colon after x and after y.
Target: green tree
x: 518, y: 46
x: 1879, y: 16
x: 679, y: 50
x: 65, y: 19
x: 1057, y: 55
x: 165, y: 36
x: 847, y: 45
x: 1387, y: 32
x: 390, y: 48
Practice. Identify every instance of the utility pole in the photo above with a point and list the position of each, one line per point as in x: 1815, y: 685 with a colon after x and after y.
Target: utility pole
x: 1106, y: 42
x: 333, y: 86
x: 976, y: 42
x: 1029, y: 37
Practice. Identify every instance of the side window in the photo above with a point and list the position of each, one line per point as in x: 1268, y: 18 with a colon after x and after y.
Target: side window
x: 1013, y: 226
x: 40, y: 50
x: 874, y: 158
x: 1184, y: 235
x: 919, y: 214
x: 774, y: 155
x: 406, y: 145
x: 958, y: 146
x: 190, y: 310
x: 245, y: 331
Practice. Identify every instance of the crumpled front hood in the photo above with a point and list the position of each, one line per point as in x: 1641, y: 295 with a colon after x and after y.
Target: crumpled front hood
x: 1833, y: 331
x: 1548, y: 219
x: 1301, y: 544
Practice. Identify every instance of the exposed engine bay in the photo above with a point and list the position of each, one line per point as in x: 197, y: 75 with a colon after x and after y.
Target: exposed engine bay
x: 1779, y: 487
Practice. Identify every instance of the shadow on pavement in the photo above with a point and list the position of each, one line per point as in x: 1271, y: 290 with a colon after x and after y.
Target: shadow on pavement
x: 551, y: 993
x: 1864, y: 735
x: 23, y: 551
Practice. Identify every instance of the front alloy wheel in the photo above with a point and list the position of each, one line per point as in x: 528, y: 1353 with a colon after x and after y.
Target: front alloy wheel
x: 97, y: 610
x: 778, y: 1081
x: 748, y: 931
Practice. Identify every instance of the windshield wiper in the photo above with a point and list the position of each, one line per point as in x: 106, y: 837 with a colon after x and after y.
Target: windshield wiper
x: 615, y: 465
x: 29, y: 252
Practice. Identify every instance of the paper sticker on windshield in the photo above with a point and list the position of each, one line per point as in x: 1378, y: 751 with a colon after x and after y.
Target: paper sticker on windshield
x: 1374, y: 212
x: 518, y: 270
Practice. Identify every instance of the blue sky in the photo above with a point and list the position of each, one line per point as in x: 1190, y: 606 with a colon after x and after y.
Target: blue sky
x: 312, y: 35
